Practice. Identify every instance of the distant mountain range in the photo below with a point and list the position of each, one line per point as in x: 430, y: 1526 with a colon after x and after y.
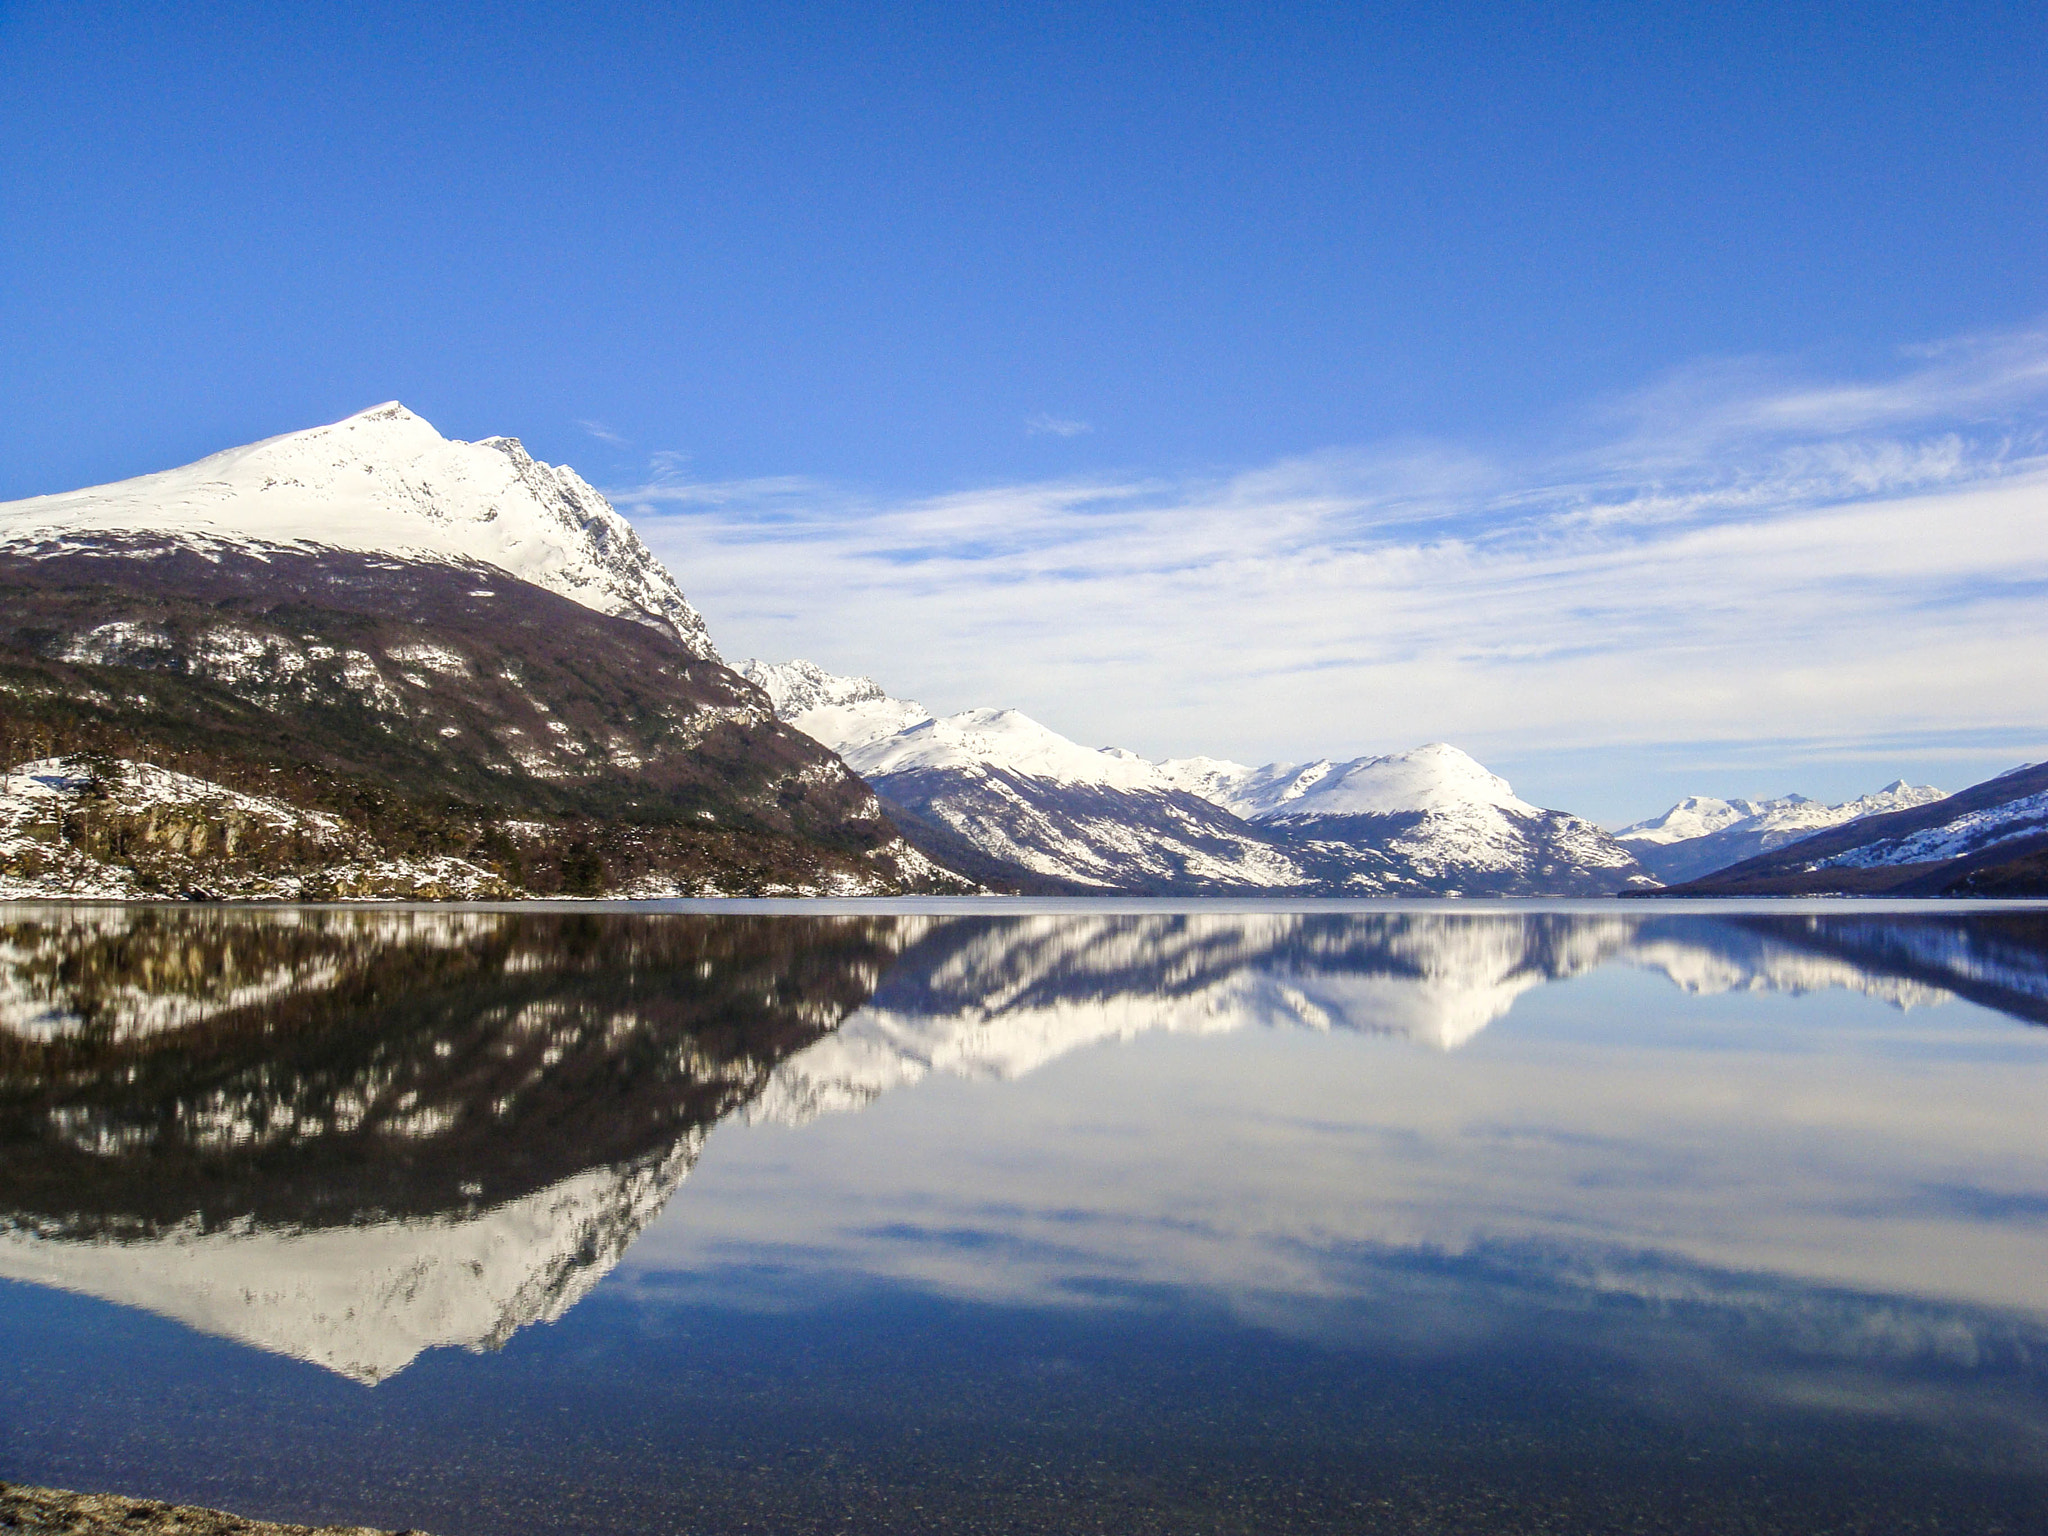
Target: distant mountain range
x: 993, y: 793
x: 1701, y: 834
x: 1988, y: 840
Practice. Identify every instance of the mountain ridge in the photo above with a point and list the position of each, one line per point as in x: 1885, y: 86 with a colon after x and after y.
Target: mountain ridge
x: 1702, y: 834
x: 995, y: 793
x: 1990, y: 839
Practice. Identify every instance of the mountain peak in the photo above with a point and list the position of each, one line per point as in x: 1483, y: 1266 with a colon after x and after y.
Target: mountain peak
x: 1009, y: 740
x: 1434, y: 777
x: 385, y: 482
x: 390, y: 410
x: 1701, y: 834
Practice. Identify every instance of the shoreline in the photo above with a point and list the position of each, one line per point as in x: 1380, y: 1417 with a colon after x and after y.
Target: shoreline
x: 62, y: 1512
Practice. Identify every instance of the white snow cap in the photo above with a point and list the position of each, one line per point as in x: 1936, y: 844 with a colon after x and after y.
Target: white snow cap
x: 1701, y: 815
x: 385, y: 482
x: 880, y: 735
x: 1696, y: 816
x: 841, y: 712
x: 1006, y: 739
x: 1436, y: 777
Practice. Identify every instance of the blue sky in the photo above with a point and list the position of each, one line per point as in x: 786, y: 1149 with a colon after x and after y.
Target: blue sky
x: 1275, y: 380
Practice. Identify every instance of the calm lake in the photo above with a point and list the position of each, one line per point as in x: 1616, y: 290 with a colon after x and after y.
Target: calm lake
x: 1028, y: 1217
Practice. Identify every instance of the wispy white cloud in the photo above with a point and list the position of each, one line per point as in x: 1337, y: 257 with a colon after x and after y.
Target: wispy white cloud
x: 1042, y: 425
x: 1735, y: 558
x: 602, y: 433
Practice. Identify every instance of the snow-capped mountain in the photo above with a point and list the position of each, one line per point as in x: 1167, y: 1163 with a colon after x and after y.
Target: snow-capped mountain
x: 1440, y: 820
x: 1701, y: 834
x: 443, y: 668
x: 384, y: 482
x: 1988, y: 840
x: 1000, y: 794
x: 1436, y: 777
x: 995, y: 793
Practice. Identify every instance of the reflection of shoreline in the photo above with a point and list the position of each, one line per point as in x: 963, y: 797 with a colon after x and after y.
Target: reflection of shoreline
x: 1841, y: 1164
x: 348, y: 1137
x: 360, y: 1135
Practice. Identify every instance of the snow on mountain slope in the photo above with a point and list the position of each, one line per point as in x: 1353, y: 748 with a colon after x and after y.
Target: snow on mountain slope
x: 1436, y: 777
x: 1433, y: 778
x: 1005, y: 739
x: 996, y: 786
x: 1700, y: 834
x: 1970, y: 832
x: 1791, y: 815
x: 1001, y: 798
x: 1432, y: 820
x: 384, y: 482
x: 1697, y: 816
x: 1990, y: 839
x: 1798, y: 816
x: 1241, y: 790
x: 840, y: 712
x: 1062, y: 820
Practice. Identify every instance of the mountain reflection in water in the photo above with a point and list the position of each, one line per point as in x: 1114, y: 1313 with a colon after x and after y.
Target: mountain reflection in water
x: 348, y: 1137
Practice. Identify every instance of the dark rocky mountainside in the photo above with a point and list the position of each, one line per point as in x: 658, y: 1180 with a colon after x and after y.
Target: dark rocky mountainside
x: 1988, y: 840
x: 366, y: 725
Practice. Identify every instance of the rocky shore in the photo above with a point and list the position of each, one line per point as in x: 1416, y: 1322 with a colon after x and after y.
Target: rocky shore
x: 62, y: 1513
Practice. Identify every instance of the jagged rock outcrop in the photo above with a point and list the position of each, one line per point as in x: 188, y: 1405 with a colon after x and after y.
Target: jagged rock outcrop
x: 60, y: 1512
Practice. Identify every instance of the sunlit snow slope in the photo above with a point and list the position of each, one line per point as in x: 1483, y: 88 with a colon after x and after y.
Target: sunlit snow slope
x: 385, y: 482
x: 1005, y: 797
x: 1701, y: 834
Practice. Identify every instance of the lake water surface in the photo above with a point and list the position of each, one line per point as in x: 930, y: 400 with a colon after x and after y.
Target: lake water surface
x: 1059, y: 1217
